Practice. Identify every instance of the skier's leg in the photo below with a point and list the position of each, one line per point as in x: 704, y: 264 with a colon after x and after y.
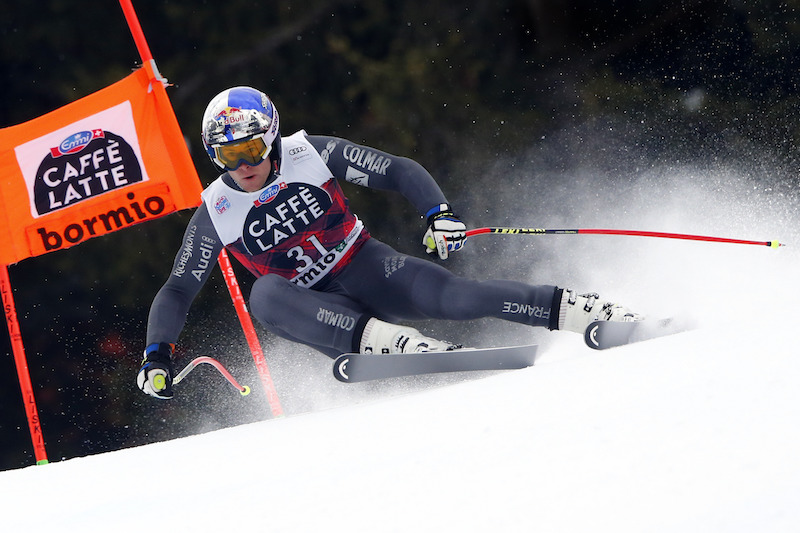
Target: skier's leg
x: 395, y: 285
x: 402, y: 287
x: 324, y: 321
x: 440, y: 294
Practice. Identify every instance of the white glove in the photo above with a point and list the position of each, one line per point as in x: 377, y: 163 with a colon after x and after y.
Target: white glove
x: 155, y: 375
x: 445, y: 234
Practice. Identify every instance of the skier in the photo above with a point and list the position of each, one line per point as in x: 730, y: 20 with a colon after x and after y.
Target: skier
x: 322, y: 280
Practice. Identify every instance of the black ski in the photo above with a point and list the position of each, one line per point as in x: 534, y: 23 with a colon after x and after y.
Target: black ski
x: 602, y: 335
x: 352, y: 368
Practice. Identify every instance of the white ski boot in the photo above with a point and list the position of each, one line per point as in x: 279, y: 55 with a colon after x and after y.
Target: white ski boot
x: 383, y: 337
x: 577, y: 311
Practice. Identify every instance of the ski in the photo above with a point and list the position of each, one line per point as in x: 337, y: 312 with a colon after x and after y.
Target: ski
x: 353, y: 367
x: 602, y: 334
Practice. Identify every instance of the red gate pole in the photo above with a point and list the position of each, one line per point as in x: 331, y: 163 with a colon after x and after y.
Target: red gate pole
x: 34, y: 424
x: 136, y: 30
x: 250, y: 333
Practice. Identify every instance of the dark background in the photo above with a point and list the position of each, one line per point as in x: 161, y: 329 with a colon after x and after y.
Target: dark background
x: 456, y: 87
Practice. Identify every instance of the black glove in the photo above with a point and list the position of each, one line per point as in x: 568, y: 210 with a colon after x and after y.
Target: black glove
x: 446, y: 233
x: 155, y: 376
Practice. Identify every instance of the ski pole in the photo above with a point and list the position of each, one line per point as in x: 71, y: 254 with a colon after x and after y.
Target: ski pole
x: 539, y: 231
x: 244, y: 390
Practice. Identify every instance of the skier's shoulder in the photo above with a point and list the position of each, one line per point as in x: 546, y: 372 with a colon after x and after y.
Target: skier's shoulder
x: 298, y: 148
x: 297, y: 142
x: 326, y: 145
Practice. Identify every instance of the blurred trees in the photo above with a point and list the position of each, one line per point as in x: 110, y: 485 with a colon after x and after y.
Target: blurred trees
x: 453, y: 85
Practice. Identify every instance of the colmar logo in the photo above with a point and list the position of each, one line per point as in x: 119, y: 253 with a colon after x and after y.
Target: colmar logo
x: 366, y: 159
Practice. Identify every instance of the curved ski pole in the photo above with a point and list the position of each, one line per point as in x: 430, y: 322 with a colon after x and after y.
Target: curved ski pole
x: 244, y: 390
x: 636, y: 233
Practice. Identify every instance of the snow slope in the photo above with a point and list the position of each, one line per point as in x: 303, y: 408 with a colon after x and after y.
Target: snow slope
x: 697, y: 432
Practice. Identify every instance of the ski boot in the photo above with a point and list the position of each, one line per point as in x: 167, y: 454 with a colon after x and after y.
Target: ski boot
x: 577, y: 311
x: 383, y: 337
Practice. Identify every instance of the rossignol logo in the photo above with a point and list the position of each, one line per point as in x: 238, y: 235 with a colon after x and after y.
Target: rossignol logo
x: 83, y: 165
x: 329, y: 148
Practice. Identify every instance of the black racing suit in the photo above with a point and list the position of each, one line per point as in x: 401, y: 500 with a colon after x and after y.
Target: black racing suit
x: 321, y: 276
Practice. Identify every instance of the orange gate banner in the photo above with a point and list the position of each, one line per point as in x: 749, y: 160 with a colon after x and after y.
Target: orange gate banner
x: 100, y: 164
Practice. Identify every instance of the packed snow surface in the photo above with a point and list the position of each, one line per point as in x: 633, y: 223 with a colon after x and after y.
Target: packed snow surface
x: 696, y: 432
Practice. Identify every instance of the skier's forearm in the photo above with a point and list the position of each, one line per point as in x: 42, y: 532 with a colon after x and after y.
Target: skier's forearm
x: 192, y: 267
x: 377, y: 169
x: 410, y: 179
x: 168, y: 314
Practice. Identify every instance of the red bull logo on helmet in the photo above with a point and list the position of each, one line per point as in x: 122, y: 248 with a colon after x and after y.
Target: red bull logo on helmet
x: 229, y: 116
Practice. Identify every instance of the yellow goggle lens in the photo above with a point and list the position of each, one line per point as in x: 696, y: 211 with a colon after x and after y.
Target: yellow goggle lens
x: 252, y: 152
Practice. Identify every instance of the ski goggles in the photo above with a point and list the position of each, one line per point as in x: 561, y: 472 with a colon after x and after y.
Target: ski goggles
x: 252, y: 151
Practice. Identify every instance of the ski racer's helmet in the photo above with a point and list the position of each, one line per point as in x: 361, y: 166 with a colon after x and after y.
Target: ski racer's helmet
x: 241, y: 125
